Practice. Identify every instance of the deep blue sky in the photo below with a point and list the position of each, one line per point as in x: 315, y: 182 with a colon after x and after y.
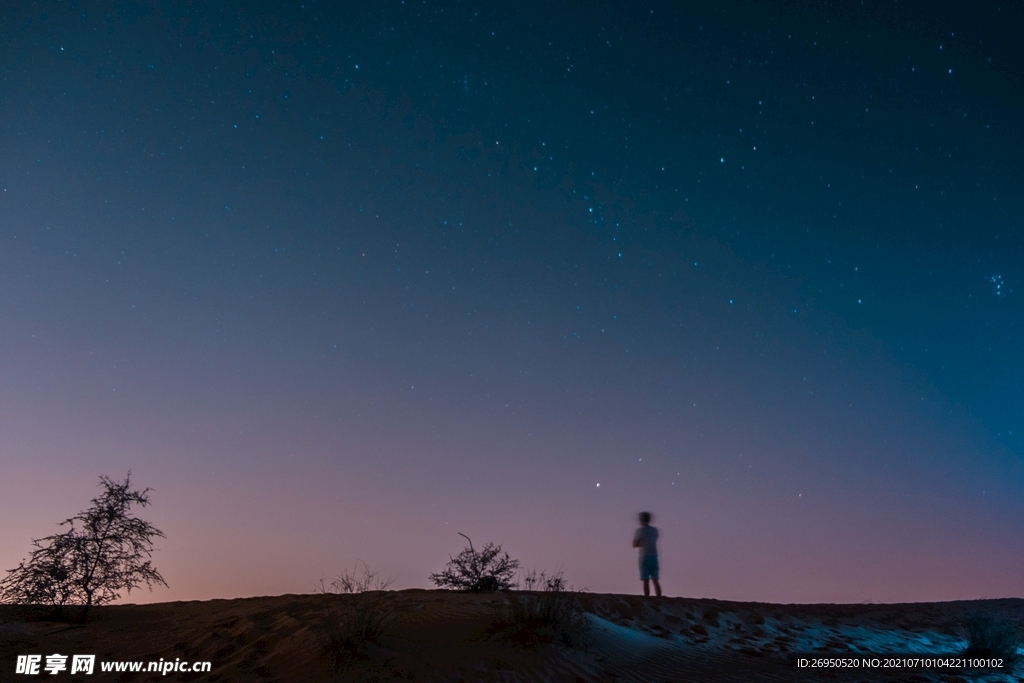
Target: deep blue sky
x: 754, y: 265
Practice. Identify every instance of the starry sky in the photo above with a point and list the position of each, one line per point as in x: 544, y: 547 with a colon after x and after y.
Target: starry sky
x: 341, y: 280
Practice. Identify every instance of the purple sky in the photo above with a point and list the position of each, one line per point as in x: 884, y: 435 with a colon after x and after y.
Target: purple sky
x: 332, y: 313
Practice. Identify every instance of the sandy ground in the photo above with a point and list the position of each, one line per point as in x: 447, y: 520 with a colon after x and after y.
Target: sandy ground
x: 445, y: 636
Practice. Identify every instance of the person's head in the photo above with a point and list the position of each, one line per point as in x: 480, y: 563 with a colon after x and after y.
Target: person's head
x: 645, y: 518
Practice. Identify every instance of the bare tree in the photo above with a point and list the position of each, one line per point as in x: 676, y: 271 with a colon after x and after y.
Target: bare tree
x: 478, y: 571
x: 105, y: 550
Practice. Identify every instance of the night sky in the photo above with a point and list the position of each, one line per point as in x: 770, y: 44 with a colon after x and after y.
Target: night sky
x: 341, y: 282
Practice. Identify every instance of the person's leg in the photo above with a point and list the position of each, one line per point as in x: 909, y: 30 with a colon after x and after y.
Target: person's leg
x: 647, y: 587
x: 657, y: 587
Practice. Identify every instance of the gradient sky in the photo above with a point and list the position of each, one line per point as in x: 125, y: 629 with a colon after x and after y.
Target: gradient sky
x: 339, y: 283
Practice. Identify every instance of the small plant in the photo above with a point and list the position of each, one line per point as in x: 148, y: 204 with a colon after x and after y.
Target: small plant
x: 351, y: 626
x: 357, y: 620
x: 992, y: 636
x: 353, y: 581
x: 553, y: 583
x: 545, y: 610
x: 478, y: 571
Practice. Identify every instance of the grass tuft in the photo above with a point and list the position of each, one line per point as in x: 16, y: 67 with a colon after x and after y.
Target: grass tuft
x: 990, y: 636
x: 355, y: 580
x: 545, y: 610
x: 352, y: 624
x: 355, y: 620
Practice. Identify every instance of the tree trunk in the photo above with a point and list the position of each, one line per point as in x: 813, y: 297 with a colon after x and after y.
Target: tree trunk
x: 85, y: 610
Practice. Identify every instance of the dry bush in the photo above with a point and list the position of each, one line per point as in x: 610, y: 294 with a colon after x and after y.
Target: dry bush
x: 478, y: 571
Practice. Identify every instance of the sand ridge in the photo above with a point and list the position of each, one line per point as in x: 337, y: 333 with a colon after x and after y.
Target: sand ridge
x: 434, y: 635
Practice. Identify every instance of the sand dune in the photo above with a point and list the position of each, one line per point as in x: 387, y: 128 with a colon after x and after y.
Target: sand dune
x: 444, y: 636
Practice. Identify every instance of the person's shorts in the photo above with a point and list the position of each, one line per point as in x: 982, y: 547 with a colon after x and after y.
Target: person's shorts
x: 648, y: 567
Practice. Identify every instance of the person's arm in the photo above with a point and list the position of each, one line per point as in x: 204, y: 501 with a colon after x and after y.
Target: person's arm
x: 636, y: 539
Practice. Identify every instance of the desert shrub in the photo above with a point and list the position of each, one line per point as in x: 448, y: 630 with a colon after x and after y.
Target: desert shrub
x: 353, y: 581
x: 105, y: 550
x: 351, y: 625
x: 478, y: 571
x: 545, y: 610
x: 992, y: 636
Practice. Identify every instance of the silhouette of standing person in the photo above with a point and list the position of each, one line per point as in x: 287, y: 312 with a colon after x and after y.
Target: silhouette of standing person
x: 646, y: 538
